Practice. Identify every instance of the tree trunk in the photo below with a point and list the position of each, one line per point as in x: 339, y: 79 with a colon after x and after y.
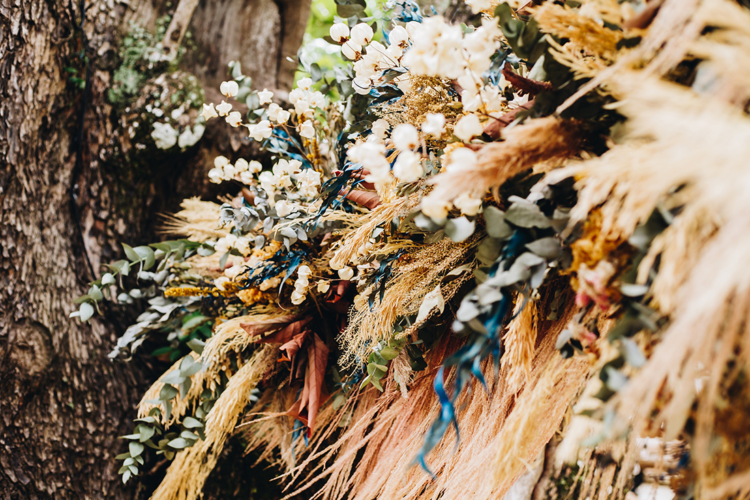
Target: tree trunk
x: 67, y: 202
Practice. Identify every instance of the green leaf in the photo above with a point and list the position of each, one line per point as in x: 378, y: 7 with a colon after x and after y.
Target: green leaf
x: 191, y: 423
x: 167, y: 392
x: 179, y: 443
x: 459, y: 229
x: 496, y: 225
x: 135, y: 448
x: 616, y: 380
x: 147, y: 256
x: 95, y: 293
x: 146, y: 432
x: 108, y: 279
x: 82, y: 299
x: 130, y: 253
x: 632, y: 353
x: 547, y: 248
x: 633, y: 290
x: 122, y: 456
x: 196, y: 345
x: 526, y: 214
x: 389, y: 353
x: 189, y: 435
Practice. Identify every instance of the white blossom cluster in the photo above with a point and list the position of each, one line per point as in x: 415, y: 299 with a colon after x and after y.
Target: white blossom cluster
x: 242, y: 169
x: 370, y: 63
x: 301, y: 285
x: 441, y: 49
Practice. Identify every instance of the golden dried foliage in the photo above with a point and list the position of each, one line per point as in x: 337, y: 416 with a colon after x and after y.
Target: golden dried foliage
x: 519, y: 343
x: 196, y: 220
x: 190, y: 468
x: 418, y: 273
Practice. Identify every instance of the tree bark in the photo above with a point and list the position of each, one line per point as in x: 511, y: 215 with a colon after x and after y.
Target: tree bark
x: 65, y: 206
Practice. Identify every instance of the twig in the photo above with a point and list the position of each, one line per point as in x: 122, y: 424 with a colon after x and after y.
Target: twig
x: 178, y: 26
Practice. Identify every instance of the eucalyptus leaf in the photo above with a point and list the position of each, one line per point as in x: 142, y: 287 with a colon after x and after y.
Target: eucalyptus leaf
x: 496, y: 225
x: 135, y: 448
x: 547, y: 248
x: 459, y: 229
x: 526, y: 214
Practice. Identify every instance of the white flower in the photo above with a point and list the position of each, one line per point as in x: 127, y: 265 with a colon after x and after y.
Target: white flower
x: 339, y: 32
x: 189, y: 137
x: 468, y: 204
x: 241, y: 165
x: 307, y: 130
x: 371, y: 155
x: 300, y: 286
x: 478, y: 6
x: 265, y: 96
x: 394, y: 52
x: 254, y: 167
x: 346, y: 273
x: 362, y: 34
x: 283, y: 208
x: 436, y: 48
x: 304, y: 270
x: 471, y: 100
x: 246, y: 178
x: 261, y: 130
x: 380, y: 128
x: 468, y: 127
x: 216, y: 175
x: 323, y: 286
x: 221, y: 162
x: 308, y: 181
x: 493, y: 99
x: 224, y: 244
x: 297, y: 298
x: 277, y: 114
x: 208, y: 111
x: 460, y: 158
x: 302, y: 106
x: 316, y: 99
x: 273, y: 111
x: 351, y: 51
x: 434, y: 207
x: 408, y: 167
x: 399, y: 37
x: 234, y: 118
x: 434, y: 124
x: 220, y: 282
x: 164, y: 135
x: 405, y: 137
x: 361, y: 85
x: 283, y: 117
x: 297, y: 94
x: 304, y: 83
x: 229, y: 89
x: 267, y: 183
x: 229, y: 172
x: 224, y: 108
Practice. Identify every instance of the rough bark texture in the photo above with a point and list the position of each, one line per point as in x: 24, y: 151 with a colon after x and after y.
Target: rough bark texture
x: 64, y: 403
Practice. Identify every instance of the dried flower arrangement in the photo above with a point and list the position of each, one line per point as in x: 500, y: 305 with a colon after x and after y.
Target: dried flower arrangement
x: 485, y: 259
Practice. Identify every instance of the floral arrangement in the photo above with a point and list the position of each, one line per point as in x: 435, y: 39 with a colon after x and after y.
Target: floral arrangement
x: 473, y: 243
